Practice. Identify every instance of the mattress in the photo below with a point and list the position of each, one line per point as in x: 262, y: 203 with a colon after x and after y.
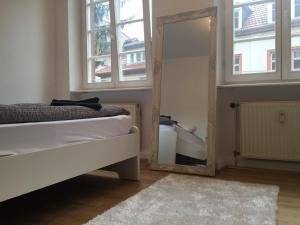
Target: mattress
x: 25, y: 138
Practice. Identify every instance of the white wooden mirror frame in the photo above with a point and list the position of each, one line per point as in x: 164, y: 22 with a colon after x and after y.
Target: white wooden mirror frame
x: 208, y: 169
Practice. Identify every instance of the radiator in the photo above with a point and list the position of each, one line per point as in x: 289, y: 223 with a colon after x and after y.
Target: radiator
x: 270, y: 130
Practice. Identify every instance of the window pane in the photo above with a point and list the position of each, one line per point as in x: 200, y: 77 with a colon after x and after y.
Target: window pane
x: 98, y: 41
x: 100, y: 13
x: 101, y: 42
x: 131, y: 48
x: 295, y: 36
x: 100, y: 70
x: 255, y: 34
x: 128, y: 10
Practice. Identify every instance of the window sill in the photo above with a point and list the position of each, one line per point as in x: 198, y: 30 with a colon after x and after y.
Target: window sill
x: 237, y: 85
x: 110, y: 90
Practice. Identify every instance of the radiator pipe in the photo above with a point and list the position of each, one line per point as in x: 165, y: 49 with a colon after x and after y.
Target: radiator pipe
x: 236, y: 152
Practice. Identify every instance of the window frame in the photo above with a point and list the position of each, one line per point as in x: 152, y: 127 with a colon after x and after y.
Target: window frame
x: 115, y: 60
x: 287, y: 73
x: 230, y: 77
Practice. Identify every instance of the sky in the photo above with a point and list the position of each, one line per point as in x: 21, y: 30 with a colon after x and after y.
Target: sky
x: 134, y: 30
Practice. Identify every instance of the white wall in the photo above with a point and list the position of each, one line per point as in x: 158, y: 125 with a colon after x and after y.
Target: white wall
x: 68, y: 55
x: 62, y: 85
x: 27, y: 48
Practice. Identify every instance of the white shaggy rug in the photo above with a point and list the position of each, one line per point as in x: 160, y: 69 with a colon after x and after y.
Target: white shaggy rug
x: 191, y: 200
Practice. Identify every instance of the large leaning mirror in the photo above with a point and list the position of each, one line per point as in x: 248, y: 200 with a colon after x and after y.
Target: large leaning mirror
x: 184, y: 95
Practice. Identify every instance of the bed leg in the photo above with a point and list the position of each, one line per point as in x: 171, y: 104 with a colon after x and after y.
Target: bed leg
x: 128, y: 169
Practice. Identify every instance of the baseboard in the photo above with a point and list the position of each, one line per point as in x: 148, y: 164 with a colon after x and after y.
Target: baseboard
x: 268, y: 164
x: 261, y: 164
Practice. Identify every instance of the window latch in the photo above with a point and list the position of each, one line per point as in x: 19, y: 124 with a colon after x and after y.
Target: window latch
x: 282, y: 117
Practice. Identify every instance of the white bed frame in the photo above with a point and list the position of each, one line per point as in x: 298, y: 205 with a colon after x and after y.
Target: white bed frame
x: 25, y: 173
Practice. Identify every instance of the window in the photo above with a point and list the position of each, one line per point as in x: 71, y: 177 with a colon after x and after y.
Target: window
x: 296, y: 59
x: 117, y: 31
x: 272, y: 12
x: 271, y: 60
x: 259, y: 31
x: 268, y: 40
x: 295, y: 8
x: 131, y: 58
x: 238, y: 18
x: 143, y: 56
x: 138, y: 57
x: 237, y: 66
x: 255, y: 37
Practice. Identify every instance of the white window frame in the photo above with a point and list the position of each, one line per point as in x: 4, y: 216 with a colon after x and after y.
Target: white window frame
x: 115, y: 61
x: 261, y: 77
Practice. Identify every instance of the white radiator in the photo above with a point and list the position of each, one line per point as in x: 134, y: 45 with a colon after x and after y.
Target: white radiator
x: 270, y: 130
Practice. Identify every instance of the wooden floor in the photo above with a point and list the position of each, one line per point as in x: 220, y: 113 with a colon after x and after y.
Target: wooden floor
x: 78, y: 200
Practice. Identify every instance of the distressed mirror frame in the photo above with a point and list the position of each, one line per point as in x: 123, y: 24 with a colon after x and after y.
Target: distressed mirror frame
x: 209, y: 169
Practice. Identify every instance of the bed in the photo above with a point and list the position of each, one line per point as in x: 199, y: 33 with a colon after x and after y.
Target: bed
x: 36, y: 155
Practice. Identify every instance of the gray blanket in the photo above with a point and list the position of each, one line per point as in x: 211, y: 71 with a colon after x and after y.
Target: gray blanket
x: 26, y: 113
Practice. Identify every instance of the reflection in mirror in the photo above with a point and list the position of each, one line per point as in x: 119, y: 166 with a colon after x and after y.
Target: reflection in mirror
x: 183, y: 129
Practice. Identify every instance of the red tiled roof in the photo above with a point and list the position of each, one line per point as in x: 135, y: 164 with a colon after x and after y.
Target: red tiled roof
x: 257, y: 17
x: 101, y: 70
x: 107, y: 69
x: 134, y: 66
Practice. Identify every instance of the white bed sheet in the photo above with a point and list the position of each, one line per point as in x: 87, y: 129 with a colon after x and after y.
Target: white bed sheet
x: 31, y: 137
